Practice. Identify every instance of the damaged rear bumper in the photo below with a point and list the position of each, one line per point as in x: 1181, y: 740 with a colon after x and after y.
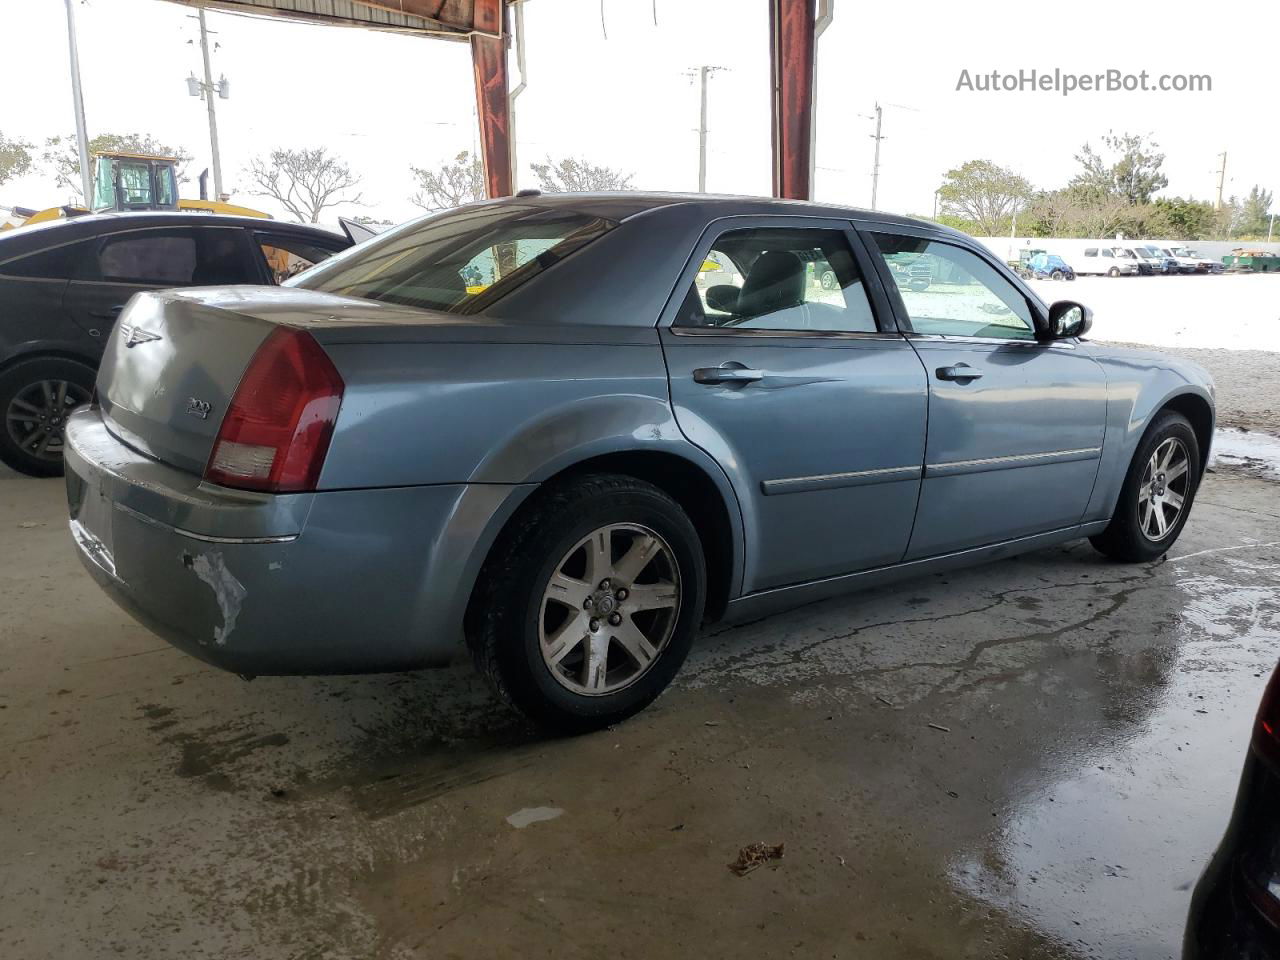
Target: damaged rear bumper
x: 348, y: 581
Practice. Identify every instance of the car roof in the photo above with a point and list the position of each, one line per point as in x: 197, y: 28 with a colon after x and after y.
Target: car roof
x: 623, y: 204
x: 39, y: 235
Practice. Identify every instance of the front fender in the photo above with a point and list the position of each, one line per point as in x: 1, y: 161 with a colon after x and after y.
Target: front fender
x: 1139, y: 385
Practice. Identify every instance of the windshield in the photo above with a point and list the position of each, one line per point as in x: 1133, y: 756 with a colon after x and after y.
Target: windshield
x: 458, y: 262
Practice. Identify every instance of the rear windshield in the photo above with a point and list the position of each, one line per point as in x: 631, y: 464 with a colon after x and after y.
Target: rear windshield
x: 458, y: 262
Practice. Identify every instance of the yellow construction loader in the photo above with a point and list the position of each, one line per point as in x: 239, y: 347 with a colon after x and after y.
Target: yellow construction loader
x: 132, y: 181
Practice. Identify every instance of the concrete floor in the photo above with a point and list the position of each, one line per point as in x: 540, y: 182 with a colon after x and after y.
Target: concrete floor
x: 1096, y: 718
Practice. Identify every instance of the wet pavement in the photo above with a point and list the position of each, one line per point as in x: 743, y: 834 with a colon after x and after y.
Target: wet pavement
x: 1028, y: 759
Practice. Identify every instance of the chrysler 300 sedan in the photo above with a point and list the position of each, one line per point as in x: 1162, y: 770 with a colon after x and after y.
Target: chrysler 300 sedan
x: 564, y: 431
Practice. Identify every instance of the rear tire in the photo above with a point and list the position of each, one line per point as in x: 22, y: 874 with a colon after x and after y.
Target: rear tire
x: 1144, y: 525
x: 35, y: 397
x: 573, y: 663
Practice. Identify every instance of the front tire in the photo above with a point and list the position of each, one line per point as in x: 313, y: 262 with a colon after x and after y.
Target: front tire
x: 1113, y: 272
x: 589, y: 602
x: 36, y: 395
x: 1157, y: 495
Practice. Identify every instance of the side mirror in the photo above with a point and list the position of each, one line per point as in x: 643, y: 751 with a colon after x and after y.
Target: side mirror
x: 1068, y: 319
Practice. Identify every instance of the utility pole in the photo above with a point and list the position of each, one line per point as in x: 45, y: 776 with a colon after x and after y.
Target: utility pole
x: 704, y: 72
x: 1222, y: 177
x: 1270, y: 227
x: 875, y: 169
x: 213, y: 116
x: 77, y: 98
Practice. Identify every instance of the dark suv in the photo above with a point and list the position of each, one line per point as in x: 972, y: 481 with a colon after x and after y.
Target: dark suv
x: 63, y: 284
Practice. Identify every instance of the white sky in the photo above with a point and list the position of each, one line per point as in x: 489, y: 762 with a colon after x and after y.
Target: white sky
x: 384, y: 102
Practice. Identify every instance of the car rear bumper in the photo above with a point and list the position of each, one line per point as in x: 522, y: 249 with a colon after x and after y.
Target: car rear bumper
x: 347, y: 581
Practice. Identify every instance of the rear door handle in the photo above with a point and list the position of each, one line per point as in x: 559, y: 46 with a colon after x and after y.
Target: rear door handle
x: 961, y: 373
x: 728, y: 373
x: 109, y: 314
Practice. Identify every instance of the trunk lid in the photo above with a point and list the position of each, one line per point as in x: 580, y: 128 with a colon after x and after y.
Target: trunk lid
x: 169, y: 372
x: 175, y: 358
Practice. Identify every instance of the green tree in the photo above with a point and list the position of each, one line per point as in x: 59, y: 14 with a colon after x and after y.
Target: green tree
x: 1253, y: 213
x: 573, y: 175
x: 1174, y: 218
x: 61, y: 156
x: 1130, y: 169
x: 15, y: 158
x: 453, y: 184
x: 983, y: 194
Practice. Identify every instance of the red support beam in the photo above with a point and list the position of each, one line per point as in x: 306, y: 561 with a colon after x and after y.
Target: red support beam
x: 791, y: 62
x: 493, y: 104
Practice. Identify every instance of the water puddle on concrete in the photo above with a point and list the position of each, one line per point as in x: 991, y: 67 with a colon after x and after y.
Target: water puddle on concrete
x: 1257, y: 452
x: 1103, y: 854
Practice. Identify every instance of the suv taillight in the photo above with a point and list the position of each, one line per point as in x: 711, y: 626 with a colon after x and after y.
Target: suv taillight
x: 276, y: 431
x: 1266, y: 730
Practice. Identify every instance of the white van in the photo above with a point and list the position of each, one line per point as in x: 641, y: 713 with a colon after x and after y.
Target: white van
x: 1108, y: 261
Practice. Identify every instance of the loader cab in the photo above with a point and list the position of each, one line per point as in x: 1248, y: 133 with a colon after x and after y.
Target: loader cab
x: 127, y: 181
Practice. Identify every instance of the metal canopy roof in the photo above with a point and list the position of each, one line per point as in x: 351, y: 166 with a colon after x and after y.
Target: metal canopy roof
x: 443, y: 19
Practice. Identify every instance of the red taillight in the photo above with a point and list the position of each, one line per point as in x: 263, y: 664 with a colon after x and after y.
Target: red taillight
x: 276, y: 432
x: 1266, y: 732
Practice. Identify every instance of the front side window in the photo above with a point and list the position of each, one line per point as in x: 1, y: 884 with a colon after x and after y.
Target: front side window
x: 459, y: 262
x: 782, y: 279
x: 288, y: 256
x: 949, y: 291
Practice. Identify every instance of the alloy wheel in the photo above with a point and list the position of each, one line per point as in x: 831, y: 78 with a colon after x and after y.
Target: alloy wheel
x: 1162, y: 494
x: 609, y: 609
x: 38, y: 413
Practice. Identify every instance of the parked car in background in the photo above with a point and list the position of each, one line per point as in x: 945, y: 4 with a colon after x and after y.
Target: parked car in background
x: 1049, y: 266
x: 63, y: 284
x: 1202, y: 264
x: 571, y: 469
x: 1108, y: 261
x: 1185, y: 264
x: 1161, y: 262
x: 1235, y: 910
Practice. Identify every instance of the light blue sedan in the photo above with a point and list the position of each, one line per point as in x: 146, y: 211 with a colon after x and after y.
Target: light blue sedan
x: 565, y: 431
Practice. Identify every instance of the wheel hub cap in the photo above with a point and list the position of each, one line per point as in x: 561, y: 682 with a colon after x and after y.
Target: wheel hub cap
x: 37, y: 414
x: 609, y: 609
x: 1165, y: 484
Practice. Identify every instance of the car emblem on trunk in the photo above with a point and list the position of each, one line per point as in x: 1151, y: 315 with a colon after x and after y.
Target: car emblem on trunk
x: 198, y: 408
x: 136, y: 335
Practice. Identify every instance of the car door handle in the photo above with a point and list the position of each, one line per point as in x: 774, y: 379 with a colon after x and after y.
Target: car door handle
x: 727, y: 374
x: 109, y: 314
x: 961, y: 373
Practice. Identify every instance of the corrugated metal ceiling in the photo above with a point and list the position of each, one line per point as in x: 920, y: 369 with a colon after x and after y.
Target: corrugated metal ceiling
x: 446, y: 19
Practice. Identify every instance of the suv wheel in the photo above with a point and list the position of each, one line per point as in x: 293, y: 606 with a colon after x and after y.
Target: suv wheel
x: 35, y: 397
x: 589, y: 602
x: 1157, y: 494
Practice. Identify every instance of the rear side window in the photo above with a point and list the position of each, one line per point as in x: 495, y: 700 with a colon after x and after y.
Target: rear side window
x: 201, y: 256
x: 288, y: 256
x: 779, y: 279
x: 1091, y: 252
x: 155, y: 258
x: 56, y: 263
x: 459, y: 262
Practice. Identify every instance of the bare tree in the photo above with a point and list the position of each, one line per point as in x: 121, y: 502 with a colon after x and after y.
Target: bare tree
x: 15, y: 158
x: 305, y: 182
x: 573, y: 175
x: 455, y: 183
x: 61, y: 157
